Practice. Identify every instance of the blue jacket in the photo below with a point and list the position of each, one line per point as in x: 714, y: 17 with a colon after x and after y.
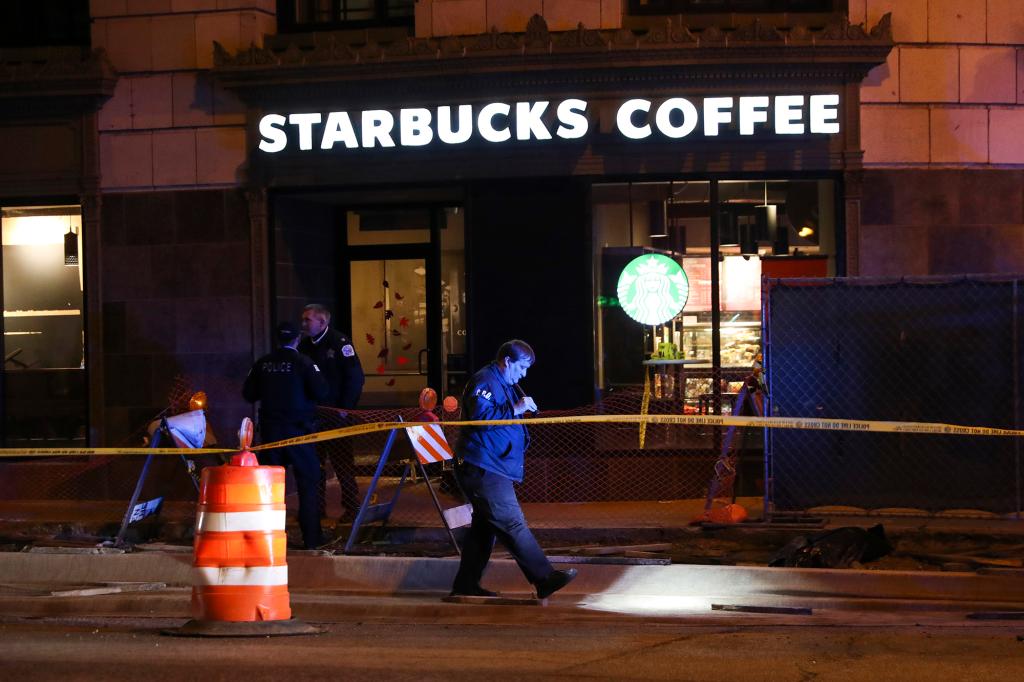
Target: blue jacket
x: 498, y: 449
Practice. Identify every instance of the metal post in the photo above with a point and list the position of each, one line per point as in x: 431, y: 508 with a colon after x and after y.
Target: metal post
x: 716, y: 318
x: 1015, y: 355
x: 366, y: 509
x: 154, y: 443
x: 766, y: 345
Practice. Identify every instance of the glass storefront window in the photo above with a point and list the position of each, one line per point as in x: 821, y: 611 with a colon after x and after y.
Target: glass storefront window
x: 767, y: 228
x: 43, y: 330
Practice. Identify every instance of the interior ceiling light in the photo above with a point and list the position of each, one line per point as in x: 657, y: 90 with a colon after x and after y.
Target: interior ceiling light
x: 806, y: 231
x: 658, y: 219
x: 70, y: 247
x: 767, y: 218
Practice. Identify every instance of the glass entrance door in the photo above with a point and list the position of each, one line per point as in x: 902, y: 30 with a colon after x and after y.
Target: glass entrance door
x: 406, y: 290
x: 390, y: 328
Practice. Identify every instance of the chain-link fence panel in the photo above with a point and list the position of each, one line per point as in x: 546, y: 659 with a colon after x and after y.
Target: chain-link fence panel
x: 592, y: 475
x: 925, y: 350
x: 107, y: 478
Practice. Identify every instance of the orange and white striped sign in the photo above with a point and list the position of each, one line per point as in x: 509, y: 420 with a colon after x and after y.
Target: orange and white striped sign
x: 429, y: 443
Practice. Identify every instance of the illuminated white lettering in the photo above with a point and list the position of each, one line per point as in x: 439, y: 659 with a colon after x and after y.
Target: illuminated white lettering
x: 624, y: 119
x: 305, y: 123
x: 824, y: 113
x: 414, y: 127
x: 339, y: 129
x: 444, y: 124
x: 485, y: 122
x: 635, y: 119
x: 377, y: 125
x: 789, y: 112
x: 752, y: 110
x: 274, y: 137
x: 717, y: 110
x: 572, y: 122
x: 528, y: 121
x: 663, y: 118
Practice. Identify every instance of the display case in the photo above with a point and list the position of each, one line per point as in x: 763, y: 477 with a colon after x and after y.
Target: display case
x: 740, y: 340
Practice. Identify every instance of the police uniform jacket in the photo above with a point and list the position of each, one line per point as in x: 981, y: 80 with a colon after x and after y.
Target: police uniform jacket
x: 498, y: 449
x: 336, y: 357
x: 288, y: 385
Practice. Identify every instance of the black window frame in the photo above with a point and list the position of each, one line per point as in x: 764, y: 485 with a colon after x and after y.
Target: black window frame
x: 45, y: 23
x: 649, y: 7
x: 383, y: 16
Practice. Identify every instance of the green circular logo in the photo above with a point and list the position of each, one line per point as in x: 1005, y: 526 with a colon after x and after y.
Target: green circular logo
x: 653, y: 289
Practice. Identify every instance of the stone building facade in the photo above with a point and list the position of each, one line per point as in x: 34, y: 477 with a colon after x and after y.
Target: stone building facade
x: 195, y: 243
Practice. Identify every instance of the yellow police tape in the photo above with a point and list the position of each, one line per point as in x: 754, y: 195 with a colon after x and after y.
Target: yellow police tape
x: 681, y: 420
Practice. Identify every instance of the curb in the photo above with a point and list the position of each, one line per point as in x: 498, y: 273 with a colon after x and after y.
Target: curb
x: 398, y: 575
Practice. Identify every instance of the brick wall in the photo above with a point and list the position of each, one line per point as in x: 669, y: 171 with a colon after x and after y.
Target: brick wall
x: 940, y: 129
x: 176, y: 301
x: 176, y: 254
x: 952, y: 90
x: 168, y: 125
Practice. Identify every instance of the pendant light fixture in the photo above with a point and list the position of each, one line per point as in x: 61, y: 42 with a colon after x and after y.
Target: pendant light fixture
x: 70, y: 247
x: 728, y: 234
x: 767, y: 218
x: 657, y: 224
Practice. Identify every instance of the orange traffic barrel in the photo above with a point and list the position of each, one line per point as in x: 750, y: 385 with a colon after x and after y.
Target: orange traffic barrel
x: 240, y: 570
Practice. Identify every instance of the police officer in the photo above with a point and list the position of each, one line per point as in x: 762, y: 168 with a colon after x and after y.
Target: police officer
x: 490, y: 459
x: 288, y: 386
x: 334, y: 353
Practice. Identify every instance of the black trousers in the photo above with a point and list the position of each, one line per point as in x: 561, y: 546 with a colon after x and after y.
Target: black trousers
x: 305, y: 466
x: 496, y: 515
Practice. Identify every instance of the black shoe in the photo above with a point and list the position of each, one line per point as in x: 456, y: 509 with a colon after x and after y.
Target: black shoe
x: 554, y: 582
x: 476, y: 591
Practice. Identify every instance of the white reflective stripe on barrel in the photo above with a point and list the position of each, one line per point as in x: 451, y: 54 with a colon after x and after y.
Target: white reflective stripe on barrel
x: 227, y: 522
x: 240, y: 575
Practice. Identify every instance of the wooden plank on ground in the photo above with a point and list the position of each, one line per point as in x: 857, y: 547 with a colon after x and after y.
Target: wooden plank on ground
x: 500, y: 600
x: 964, y: 559
x: 619, y: 549
x: 610, y: 560
x: 631, y: 554
x: 779, y: 610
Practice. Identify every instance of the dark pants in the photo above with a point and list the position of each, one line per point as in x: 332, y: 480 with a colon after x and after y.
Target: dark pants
x: 339, y: 454
x: 496, y: 515
x: 306, y: 468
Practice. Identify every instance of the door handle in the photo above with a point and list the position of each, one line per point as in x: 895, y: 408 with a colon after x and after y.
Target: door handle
x: 419, y: 360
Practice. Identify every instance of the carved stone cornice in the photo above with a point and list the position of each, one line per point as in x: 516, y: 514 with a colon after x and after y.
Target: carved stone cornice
x: 81, y: 77
x: 838, y: 51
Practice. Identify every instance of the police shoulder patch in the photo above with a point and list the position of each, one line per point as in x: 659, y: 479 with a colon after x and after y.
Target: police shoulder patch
x: 347, y: 350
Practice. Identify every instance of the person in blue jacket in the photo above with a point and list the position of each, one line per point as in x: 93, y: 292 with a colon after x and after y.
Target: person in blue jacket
x: 489, y: 461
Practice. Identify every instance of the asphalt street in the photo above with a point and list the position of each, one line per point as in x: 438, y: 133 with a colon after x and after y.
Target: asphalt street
x: 120, y: 637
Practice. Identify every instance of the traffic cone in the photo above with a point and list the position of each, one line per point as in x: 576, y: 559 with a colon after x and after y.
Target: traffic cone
x: 240, y: 567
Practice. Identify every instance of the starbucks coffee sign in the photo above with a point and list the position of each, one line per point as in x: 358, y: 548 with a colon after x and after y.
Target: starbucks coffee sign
x: 652, y: 289
x: 506, y: 123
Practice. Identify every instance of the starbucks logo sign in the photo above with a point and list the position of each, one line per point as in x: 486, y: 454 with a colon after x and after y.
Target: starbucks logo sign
x: 653, y: 289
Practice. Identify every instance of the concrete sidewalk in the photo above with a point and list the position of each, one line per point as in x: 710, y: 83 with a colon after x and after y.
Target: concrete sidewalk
x: 659, y: 587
